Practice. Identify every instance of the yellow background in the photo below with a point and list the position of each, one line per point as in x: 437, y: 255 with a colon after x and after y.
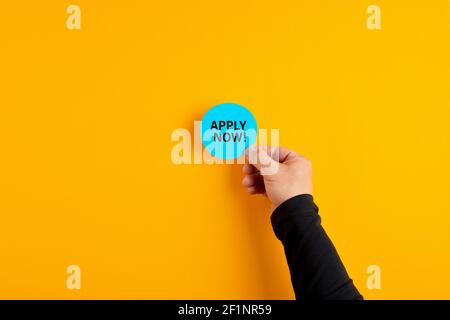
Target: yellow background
x: 86, y: 117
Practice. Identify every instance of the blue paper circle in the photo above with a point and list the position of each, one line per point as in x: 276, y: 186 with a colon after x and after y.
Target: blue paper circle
x: 227, y: 130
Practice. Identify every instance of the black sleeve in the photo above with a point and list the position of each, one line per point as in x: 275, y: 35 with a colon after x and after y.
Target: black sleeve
x: 316, y: 270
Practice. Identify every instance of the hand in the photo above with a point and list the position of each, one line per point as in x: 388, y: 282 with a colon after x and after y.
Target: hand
x: 290, y: 174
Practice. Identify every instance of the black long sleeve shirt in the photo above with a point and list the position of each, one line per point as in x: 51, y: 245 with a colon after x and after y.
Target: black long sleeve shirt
x: 316, y: 270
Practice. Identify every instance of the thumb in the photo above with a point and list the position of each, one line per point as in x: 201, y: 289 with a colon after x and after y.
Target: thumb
x: 258, y: 157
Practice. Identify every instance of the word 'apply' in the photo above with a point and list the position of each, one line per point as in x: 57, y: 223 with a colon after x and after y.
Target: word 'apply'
x: 228, y: 125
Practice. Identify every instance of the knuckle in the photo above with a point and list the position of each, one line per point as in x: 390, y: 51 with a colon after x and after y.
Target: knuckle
x: 307, y: 163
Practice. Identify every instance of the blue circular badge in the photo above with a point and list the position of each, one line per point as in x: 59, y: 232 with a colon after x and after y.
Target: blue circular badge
x: 227, y: 130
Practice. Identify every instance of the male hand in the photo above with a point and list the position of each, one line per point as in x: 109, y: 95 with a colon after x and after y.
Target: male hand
x: 290, y: 174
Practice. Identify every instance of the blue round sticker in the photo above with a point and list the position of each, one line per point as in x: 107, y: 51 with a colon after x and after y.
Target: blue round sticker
x: 227, y: 130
